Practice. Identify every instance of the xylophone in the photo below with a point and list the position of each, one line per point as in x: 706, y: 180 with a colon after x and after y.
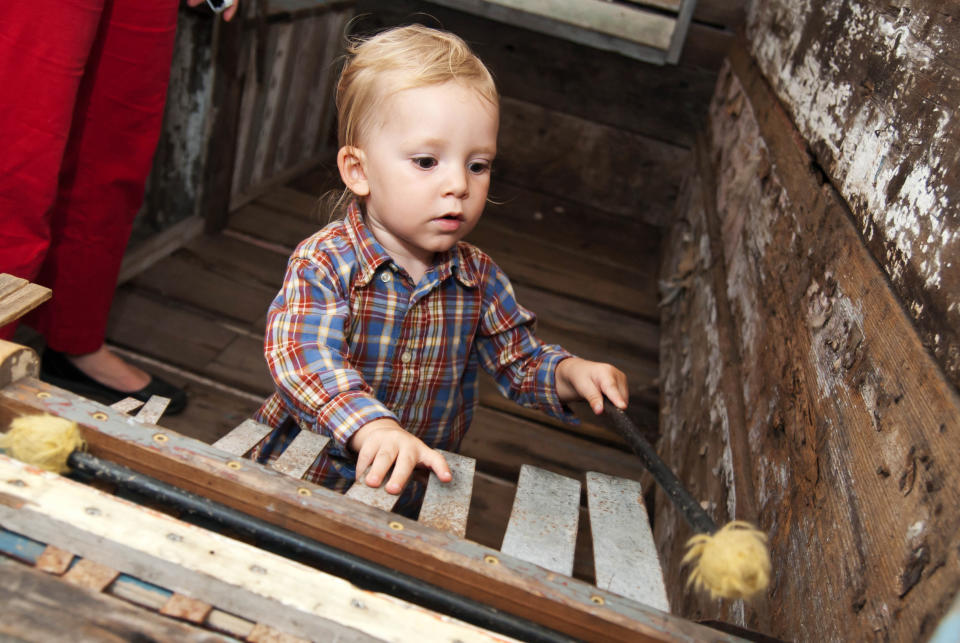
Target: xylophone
x: 208, y: 579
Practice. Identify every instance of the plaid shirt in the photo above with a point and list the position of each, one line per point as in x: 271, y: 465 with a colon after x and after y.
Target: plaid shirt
x: 351, y: 339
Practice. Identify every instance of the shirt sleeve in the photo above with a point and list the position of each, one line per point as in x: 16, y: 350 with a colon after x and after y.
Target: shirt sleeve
x: 308, y: 355
x: 523, y: 367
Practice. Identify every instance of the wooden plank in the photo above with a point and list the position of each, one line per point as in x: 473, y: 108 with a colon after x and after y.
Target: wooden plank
x: 678, y: 37
x: 214, y: 408
x: 586, y: 162
x: 490, y: 513
x: 301, y: 454
x: 627, y: 243
x: 566, y: 19
x: 54, y: 560
x: 491, y: 398
x: 665, y: 103
x: 89, y: 574
x: 446, y: 505
x: 186, y: 608
x: 244, y: 128
x: 638, y: 337
x: 317, y: 113
x: 153, y: 409
x: 18, y: 297
x: 230, y: 574
x: 528, y: 261
x: 265, y: 634
x: 139, y: 593
x: 624, y: 553
x: 158, y: 246
x: 307, y: 33
x: 16, y: 362
x: 234, y: 53
x: 502, y: 443
x: 883, y: 129
x: 189, y: 277
x: 543, y: 522
x: 292, y: 201
x: 194, y: 340
x: 10, y: 284
x: 242, y: 438
x: 373, y: 496
x: 38, y: 607
x: 282, y: 228
x: 127, y: 405
x: 617, y: 20
x: 275, y: 90
x: 229, y: 623
x: 186, y: 338
x: 449, y: 562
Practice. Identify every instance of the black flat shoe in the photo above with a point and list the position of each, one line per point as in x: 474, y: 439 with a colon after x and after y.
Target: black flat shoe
x: 56, y: 369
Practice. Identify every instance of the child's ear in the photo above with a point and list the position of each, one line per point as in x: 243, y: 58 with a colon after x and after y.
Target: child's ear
x: 350, y: 161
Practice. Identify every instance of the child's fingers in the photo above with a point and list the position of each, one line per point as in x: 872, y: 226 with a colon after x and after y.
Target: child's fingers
x: 615, y: 388
x: 433, y: 459
x: 402, y: 469
x: 378, y: 469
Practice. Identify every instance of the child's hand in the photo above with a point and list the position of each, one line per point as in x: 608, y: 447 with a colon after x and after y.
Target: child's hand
x: 382, y: 444
x: 578, y: 378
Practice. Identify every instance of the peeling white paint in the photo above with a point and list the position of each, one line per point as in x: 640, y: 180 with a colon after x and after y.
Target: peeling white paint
x: 915, y: 530
x: 870, y: 140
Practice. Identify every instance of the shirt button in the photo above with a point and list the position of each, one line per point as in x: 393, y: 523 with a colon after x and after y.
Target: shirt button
x: 385, y: 277
x: 406, y: 357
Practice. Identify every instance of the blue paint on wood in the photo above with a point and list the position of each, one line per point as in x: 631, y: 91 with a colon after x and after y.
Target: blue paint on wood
x: 20, y: 547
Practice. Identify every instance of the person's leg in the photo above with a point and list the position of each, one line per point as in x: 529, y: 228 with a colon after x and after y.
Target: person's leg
x: 116, y: 126
x: 44, y: 48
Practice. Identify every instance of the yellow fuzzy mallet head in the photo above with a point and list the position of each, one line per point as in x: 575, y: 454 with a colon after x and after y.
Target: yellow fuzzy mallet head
x: 44, y: 441
x: 733, y: 562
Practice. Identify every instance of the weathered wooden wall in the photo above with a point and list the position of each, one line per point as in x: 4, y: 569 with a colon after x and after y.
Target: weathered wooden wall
x: 175, y: 182
x: 286, y: 109
x: 874, y: 87
x: 796, y: 390
x: 566, y: 103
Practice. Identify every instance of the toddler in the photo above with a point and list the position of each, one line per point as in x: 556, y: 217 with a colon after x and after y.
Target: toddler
x: 385, y: 315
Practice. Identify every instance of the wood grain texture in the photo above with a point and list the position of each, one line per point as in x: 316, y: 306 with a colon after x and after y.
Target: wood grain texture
x: 18, y: 297
x: 624, y: 553
x: 543, y: 521
x: 432, y: 555
x: 850, y: 421
x: 446, y: 505
x: 586, y: 162
x: 200, y: 564
x: 877, y: 106
x: 38, y: 607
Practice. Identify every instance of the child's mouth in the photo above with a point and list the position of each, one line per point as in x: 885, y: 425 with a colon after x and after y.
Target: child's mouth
x: 449, y: 221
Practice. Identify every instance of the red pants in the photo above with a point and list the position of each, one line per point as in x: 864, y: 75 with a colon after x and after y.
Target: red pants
x: 82, y: 90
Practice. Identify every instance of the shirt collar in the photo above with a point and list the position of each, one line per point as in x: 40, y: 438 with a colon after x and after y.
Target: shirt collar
x: 371, y: 255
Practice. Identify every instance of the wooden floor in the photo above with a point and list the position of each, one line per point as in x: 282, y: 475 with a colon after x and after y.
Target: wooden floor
x: 197, y: 317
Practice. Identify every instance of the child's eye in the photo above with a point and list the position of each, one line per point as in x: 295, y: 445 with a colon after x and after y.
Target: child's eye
x: 425, y: 162
x: 478, y: 167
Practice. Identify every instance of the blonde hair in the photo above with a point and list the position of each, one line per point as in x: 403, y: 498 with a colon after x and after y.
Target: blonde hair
x: 397, y: 59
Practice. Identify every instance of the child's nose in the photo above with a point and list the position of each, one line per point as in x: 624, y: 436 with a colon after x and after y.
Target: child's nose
x: 456, y: 182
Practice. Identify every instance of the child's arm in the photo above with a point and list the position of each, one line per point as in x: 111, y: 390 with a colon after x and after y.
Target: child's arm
x: 382, y: 444
x: 581, y: 379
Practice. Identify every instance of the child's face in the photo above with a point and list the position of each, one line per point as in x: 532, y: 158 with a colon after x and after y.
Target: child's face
x: 427, y: 168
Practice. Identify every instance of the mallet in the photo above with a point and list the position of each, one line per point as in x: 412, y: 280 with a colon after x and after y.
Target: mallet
x: 732, y: 562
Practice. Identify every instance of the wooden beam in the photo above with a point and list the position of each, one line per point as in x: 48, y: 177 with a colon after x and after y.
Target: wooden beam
x: 437, y: 557
x: 18, y: 297
x: 199, y: 564
x: 38, y: 607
